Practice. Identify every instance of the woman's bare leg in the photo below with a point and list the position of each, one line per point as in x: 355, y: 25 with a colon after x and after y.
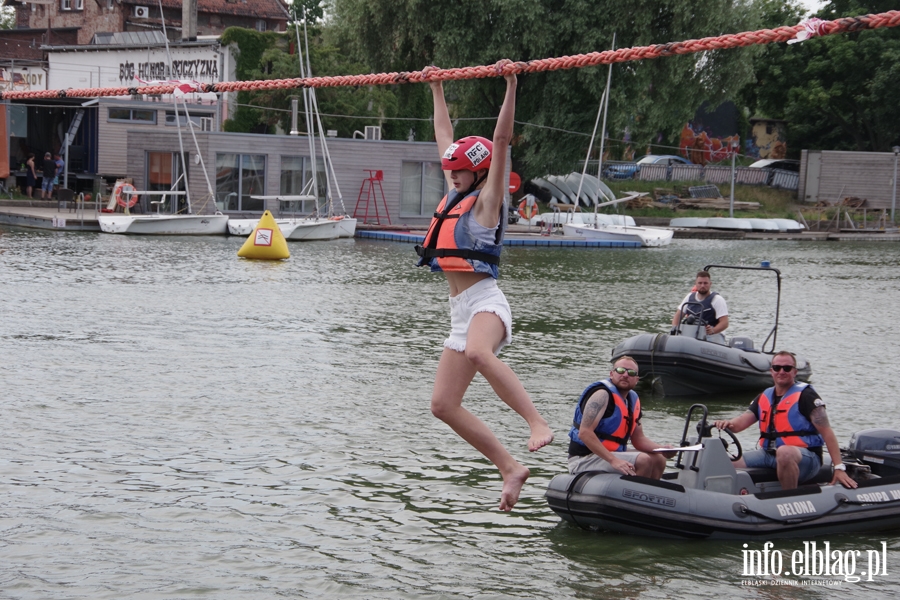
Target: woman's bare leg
x: 486, y: 331
x: 454, y: 375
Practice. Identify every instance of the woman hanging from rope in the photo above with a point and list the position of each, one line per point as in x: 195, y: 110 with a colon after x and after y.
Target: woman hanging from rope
x: 464, y: 242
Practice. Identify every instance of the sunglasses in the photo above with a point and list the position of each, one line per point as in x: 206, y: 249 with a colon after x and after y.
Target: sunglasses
x: 785, y: 368
x: 623, y: 370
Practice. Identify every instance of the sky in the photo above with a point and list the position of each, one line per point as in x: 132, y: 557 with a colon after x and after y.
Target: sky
x: 812, y: 5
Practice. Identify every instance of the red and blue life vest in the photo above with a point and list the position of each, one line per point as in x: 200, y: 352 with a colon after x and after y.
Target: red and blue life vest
x: 617, y: 424
x: 782, y: 422
x: 450, y: 245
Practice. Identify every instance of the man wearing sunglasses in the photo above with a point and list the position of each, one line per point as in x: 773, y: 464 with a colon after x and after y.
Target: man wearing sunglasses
x: 715, y: 309
x: 607, y: 417
x: 793, y: 429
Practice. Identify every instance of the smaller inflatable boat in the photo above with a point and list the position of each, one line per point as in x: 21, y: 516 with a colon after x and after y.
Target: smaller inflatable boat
x: 705, y: 497
x: 686, y: 361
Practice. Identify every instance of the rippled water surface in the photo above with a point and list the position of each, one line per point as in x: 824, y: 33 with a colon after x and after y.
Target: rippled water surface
x: 181, y: 423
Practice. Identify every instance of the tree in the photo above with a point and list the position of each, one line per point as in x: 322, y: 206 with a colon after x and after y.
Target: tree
x: 838, y: 92
x: 653, y: 98
x: 269, y: 55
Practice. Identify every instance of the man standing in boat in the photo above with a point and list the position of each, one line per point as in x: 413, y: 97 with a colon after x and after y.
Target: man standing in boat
x: 793, y: 428
x: 715, y: 310
x: 607, y: 417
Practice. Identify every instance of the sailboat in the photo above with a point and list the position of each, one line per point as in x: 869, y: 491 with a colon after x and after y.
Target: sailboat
x: 160, y: 223
x: 346, y: 223
x: 610, y: 230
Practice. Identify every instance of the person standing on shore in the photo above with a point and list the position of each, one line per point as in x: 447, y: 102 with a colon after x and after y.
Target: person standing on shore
x: 464, y: 242
x: 49, y: 175
x: 30, y: 175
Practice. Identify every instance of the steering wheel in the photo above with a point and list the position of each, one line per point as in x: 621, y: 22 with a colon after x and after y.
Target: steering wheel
x: 732, y: 455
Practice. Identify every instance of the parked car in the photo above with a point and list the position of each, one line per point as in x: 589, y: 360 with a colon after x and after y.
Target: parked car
x: 784, y: 164
x: 629, y: 170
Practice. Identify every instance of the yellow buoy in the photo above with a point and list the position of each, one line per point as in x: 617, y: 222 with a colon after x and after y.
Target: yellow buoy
x: 266, y: 242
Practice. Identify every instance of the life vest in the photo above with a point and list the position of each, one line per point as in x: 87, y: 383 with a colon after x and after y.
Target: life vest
x: 783, y: 423
x: 709, y: 313
x: 449, y: 244
x: 616, y: 426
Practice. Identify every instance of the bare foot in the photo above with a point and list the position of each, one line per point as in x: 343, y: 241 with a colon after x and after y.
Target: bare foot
x: 541, y: 435
x: 512, y: 485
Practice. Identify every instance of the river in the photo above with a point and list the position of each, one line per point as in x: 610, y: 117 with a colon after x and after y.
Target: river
x: 181, y: 423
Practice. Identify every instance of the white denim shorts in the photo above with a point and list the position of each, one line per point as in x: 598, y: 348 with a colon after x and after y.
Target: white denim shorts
x: 484, y: 296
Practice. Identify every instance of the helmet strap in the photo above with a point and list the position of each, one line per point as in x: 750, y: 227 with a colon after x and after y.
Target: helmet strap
x: 476, y: 182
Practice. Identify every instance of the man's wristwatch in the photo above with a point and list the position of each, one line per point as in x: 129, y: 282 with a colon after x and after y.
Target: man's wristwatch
x: 840, y: 467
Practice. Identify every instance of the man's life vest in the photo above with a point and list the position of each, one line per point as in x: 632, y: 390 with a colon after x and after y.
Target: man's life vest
x: 708, y: 314
x: 450, y: 245
x: 783, y: 423
x: 616, y: 426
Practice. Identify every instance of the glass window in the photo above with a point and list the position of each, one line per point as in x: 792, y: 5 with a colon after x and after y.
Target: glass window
x: 130, y: 114
x: 239, y: 176
x: 164, y: 174
x: 65, y: 5
x: 296, y: 173
x: 196, y: 119
x: 422, y: 187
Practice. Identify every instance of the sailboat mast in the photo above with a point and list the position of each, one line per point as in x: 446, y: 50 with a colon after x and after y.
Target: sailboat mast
x: 307, y: 112
x: 184, y: 166
x: 605, y: 112
x: 329, y: 165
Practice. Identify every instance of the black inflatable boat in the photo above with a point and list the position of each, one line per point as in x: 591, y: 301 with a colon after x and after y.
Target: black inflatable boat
x: 706, y: 497
x: 686, y: 361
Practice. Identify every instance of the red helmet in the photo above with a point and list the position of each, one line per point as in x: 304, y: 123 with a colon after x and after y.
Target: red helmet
x: 471, y: 153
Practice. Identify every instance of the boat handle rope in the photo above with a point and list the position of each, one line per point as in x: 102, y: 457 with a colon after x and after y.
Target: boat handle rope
x: 842, y: 501
x: 751, y: 365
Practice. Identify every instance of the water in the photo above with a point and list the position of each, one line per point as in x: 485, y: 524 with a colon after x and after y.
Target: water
x: 180, y: 423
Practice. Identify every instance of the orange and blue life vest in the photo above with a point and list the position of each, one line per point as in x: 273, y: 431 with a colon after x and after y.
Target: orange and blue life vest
x: 617, y: 424
x: 782, y: 422
x: 450, y: 244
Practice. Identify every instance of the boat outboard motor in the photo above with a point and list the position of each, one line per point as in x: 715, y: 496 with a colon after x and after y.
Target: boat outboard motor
x: 878, y: 448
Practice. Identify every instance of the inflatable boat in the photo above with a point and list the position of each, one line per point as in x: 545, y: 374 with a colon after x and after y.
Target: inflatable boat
x: 705, y: 497
x: 686, y: 361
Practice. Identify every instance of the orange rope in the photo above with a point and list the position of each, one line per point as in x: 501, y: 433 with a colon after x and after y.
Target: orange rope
x: 737, y: 40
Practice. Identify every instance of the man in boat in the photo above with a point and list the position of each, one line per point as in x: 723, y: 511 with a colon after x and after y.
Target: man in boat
x: 715, y: 310
x: 793, y: 428
x: 607, y: 417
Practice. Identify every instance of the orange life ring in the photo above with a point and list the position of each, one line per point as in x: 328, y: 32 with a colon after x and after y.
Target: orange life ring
x: 526, y: 211
x: 121, y: 193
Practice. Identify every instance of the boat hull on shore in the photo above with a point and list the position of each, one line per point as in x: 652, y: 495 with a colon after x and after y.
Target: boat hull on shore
x: 648, y: 237
x: 156, y: 224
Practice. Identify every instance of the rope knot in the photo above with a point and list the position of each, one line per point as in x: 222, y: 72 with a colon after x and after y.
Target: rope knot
x: 811, y: 28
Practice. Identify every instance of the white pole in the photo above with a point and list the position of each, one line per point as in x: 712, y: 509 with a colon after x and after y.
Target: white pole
x: 894, y: 194
x: 733, y: 159
x: 605, y: 112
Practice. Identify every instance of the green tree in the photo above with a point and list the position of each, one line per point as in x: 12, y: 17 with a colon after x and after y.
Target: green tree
x: 652, y: 98
x: 269, y: 55
x: 838, y: 92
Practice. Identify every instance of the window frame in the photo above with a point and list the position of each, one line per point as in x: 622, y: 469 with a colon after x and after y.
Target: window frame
x: 131, y: 115
x: 422, y: 188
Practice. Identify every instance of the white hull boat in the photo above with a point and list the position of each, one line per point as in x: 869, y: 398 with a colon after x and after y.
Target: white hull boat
x: 688, y: 222
x: 161, y: 224
x: 648, y: 237
x: 729, y: 224
x: 346, y: 226
x: 293, y: 229
x: 310, y: 230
